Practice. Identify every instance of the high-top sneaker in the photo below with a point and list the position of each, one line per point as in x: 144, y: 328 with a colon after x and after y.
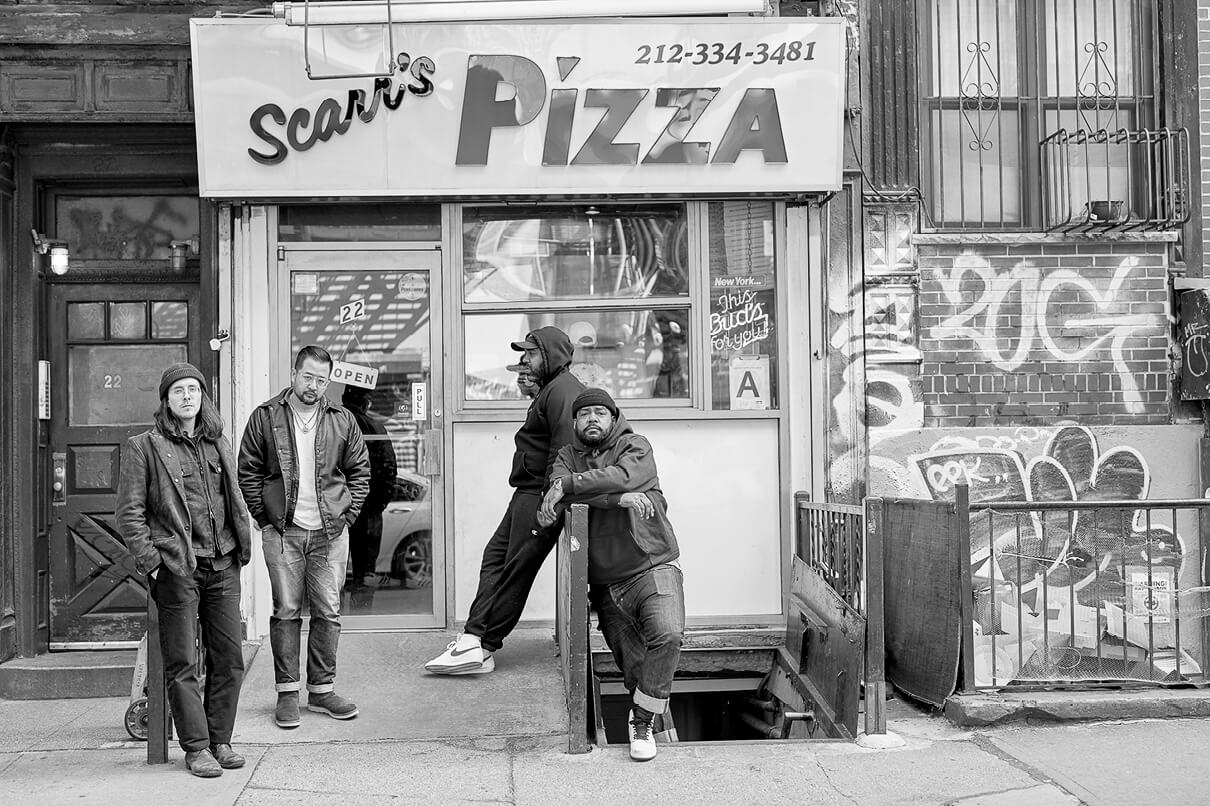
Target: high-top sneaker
x: 464, y: 655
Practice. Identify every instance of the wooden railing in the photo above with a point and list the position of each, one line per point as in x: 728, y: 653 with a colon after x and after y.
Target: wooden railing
x: 571, y: 625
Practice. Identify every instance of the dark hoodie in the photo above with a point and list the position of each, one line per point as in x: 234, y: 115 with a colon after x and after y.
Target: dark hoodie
x: 620, y: 543
x: 548, y: 423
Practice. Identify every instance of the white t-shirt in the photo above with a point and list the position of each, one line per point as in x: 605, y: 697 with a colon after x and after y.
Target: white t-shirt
x: 306, y: 509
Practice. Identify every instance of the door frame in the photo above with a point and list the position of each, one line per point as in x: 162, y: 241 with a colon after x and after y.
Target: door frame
x: 417, y: 258
x: 59, y: 296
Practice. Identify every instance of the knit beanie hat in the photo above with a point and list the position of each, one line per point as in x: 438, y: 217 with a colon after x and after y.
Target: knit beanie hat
x: 594, y: 397
x: 178, y: 372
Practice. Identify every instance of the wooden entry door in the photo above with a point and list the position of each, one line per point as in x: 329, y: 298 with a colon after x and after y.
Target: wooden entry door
x: 108, y: 345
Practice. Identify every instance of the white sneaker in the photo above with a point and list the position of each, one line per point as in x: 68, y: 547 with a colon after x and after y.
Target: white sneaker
x: 464, y: 655
x: 642, y: 740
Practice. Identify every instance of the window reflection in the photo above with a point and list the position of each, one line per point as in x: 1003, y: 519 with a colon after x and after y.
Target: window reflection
x: 595, y: 251
x: 634, y: 353
x: 125, y: 227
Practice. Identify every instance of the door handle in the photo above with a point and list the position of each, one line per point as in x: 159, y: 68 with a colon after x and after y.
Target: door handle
x: 430, y: 453
x: 58, y: 485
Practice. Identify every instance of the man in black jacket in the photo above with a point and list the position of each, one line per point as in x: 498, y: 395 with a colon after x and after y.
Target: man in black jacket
x: 515, y: 552
x: 305, y: 473
x: 634, y: 578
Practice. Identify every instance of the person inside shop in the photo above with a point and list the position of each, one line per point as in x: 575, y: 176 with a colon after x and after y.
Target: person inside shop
x: 181, y: 515
x: 305, y: 473
x: 516, y: 550
x: 634, y: 577
x: 365, y: 535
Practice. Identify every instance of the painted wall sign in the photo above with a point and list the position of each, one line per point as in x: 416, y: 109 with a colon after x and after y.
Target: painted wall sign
x: 354, y: 375
x: 725, y: 105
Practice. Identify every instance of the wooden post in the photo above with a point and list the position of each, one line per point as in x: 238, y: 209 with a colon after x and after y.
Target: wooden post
x: 875, y: 637
x: 966, y: 591
x: 159, y: 718
x: 572, y: 610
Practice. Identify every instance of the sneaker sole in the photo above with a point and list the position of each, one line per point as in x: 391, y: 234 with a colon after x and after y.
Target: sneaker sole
x: 287, y: 725
x: 319, y: 709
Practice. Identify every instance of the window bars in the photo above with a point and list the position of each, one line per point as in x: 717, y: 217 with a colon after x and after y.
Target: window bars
x: 1001, y: 78
x: 1115, y: 180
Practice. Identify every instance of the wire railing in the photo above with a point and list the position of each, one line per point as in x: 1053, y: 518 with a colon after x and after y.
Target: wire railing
x: 829, y: 540
x: 1074, y: 594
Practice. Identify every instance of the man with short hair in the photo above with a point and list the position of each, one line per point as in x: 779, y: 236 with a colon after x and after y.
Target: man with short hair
x: 635, y: 581
x: 515, y: 552
x: 305, y: 473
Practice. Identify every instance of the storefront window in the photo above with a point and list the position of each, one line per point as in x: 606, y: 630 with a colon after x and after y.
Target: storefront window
x: 593, y: 252
x: 743, y: 306
x: 521, y: 268
x: 634, y: 353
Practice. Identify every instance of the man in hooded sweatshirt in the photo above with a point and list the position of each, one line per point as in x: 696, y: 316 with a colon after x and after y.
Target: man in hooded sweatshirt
x: 515, y: 552
x: 634, y: 578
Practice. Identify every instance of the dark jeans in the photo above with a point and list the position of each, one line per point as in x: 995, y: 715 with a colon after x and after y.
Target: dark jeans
x: 212, y: 597
x: 643, y: 620
x: 305, y: 565
x: 365, y: 540
x: 511, y: 561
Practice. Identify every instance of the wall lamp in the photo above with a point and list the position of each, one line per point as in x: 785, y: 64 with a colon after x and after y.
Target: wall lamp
x: 58, y: 251
x: 380, y: 12
x: 181, y: 250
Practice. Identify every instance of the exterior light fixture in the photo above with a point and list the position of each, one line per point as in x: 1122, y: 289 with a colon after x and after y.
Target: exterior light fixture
x: 180, y: 253
x: 60, y: 255
x: 380, y: 12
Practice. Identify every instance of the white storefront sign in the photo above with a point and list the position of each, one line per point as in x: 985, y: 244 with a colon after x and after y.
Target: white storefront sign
x: 354, y: 375
x: 723, y: 105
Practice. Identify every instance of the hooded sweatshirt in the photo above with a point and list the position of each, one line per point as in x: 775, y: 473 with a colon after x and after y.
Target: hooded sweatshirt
x: 620, y: 543
x: 548, y: 423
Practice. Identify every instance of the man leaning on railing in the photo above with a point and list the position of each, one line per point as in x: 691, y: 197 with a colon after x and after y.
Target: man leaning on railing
x: 634, y: 579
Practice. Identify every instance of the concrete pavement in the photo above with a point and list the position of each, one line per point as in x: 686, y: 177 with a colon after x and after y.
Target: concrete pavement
x: 76, y: 751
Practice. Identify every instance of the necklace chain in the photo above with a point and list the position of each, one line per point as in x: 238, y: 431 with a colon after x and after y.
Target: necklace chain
x: 305, y: 423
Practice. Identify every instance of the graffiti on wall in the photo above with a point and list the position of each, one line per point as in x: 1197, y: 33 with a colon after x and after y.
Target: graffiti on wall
x: 1073, y: 594
x: 1017, y: 314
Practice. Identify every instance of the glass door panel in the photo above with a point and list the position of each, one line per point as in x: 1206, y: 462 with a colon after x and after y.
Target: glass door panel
x: 374, y: 312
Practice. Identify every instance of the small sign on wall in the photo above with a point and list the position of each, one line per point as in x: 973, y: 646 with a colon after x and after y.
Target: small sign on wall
x: 420, y: 402
x: 354, y: 375
x: 749, y: 382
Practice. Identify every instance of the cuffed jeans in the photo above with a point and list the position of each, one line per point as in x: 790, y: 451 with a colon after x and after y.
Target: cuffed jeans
x: 511, y: 560
x: 305, y: 564
x: 213, y: 598
x: 643, y: 620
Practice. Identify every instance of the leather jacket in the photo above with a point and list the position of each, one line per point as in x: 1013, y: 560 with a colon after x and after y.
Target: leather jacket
x: 152, y: 515
x: 268, y: 472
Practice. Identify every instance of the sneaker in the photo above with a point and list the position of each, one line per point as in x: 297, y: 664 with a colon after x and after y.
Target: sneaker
x: 286, y: 715
x: 227, y: 758
x: 332, y: 704
x: 642, y: 740
x: 464, y: 655
x: 202, y: 764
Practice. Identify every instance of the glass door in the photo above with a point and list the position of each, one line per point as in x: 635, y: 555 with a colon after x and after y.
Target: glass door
x: 378, y: 313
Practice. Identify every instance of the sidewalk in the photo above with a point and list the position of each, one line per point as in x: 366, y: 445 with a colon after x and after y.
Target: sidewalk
x: 75, y: 751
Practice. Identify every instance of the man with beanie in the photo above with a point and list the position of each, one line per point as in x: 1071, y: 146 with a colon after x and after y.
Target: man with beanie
x: 634, y: 578
x: 183, y: 519
x: 305, y: 474
x: 515, y: 552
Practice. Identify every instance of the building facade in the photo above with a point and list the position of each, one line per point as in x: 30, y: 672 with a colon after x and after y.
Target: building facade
x: 977, y: 279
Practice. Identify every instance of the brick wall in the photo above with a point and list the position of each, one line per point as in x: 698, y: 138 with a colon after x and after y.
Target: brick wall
x: 1034, y: 333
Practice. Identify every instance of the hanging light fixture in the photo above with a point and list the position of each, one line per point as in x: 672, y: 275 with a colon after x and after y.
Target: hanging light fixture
x: 60, y: 255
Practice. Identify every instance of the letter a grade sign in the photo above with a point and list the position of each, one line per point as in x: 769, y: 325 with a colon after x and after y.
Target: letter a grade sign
x: 749, y: 382
x: 722, y: 105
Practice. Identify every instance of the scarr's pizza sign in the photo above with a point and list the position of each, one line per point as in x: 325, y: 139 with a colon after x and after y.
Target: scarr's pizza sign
x: 732, y: 105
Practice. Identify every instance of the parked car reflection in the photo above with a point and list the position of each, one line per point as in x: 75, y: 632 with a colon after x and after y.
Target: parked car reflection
x: 406, y: 552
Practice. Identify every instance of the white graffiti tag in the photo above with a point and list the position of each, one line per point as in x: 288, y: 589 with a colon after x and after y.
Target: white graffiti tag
x: 1027, y: 306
